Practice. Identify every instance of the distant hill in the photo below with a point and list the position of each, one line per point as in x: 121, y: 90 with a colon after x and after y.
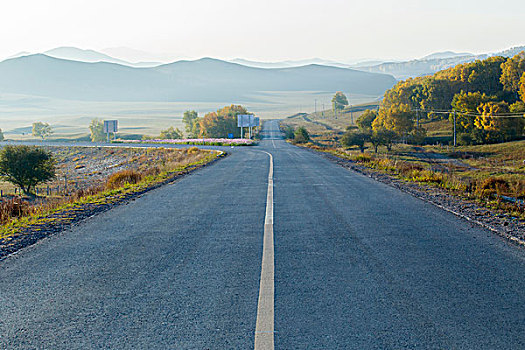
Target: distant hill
x: 76, y: 54
x: 288, y: 64
x: 432, y: 63
x: 133, y: 55
x: 510, y: 52
x: 416, y: 68
x: 201, y: 80
x: 446, y: 54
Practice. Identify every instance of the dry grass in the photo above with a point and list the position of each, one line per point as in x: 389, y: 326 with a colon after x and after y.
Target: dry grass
x: 148, y: 165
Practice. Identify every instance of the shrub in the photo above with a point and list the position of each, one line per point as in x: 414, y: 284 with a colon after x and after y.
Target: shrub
x: 363, y: 158
x: 122, y: 178
x: 192, y: 150
x: 352, y: 138
x: 301, y: 135
x: 26, y: 166
x: 13, y: 208
x: 494, y: 185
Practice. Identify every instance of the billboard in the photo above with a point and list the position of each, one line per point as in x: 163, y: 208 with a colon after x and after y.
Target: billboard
x: 243, y: 120
x: 247, y: 120
x: 110, y: 126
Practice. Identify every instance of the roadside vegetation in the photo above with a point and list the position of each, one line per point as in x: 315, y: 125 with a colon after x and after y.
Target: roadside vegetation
x: 410, y: 135
x: 91, y: 177
x: 492, y: 175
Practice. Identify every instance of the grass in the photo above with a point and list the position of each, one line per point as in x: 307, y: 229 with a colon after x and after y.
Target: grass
x: 17, y: 214
x: 480, y: 173
x: 324, y: 125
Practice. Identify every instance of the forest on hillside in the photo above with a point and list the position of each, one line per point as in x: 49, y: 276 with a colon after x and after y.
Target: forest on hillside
x: 485, y: 97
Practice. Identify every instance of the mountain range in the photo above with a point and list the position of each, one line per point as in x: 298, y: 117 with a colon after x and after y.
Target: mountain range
x: 399, y: 69
x: 200, y: 80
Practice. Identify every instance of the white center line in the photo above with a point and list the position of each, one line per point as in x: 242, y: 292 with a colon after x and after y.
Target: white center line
x: 264, y: 327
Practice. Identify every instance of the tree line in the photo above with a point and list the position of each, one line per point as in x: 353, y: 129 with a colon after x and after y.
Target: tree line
x: 486, y: 97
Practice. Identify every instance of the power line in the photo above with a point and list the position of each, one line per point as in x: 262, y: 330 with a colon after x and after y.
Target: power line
x: 509, y: 115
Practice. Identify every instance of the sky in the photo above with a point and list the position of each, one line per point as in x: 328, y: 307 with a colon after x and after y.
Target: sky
x: 269, y: 30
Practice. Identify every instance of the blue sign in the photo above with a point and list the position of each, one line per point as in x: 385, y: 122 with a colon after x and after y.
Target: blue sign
x: 230, y: 135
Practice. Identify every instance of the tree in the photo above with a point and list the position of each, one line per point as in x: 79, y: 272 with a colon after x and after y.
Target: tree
x: 383, y: 137
x: 42, y: 130
x: 511, y: 72
x: 364, y: 122
x: 468, y: 103
x: 352, y: 138
x: 339, y: 101
x: 26, y: 166
x: 222, y: 122
x: 398, y: 118
x: 498, y: 128
x: 522, y: 87
x: 191, y: 123
x: 171, y: 133
x: 418, y: 136
x: 1, y: 135
x: 301, y: 135
x: 96, y: 127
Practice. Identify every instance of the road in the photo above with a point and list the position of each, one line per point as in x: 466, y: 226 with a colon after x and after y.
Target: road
x: 349, y: 263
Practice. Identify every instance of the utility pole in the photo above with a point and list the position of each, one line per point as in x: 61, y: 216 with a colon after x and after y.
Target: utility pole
x: 454, y: 128
x: 323, y: 110
x: 315, y: 107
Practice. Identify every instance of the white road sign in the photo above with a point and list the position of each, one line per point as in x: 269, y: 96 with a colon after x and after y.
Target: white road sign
x: 110, y: 126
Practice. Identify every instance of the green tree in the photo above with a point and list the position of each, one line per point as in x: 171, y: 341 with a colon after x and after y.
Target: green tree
x: 26, y: 166
x: 383, y: 137
x: 1, y: 135
x: 171, y: 133
x: 353, y: 138
x: 418, y: 135
x: 301, y: 135
x: 191, y: 123
x: 339, y: 101
x: 364, y: 122
x: 42, y: 130
x: 96, y: 128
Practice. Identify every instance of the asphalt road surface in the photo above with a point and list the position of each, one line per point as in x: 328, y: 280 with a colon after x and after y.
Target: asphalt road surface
x: 349, y: 263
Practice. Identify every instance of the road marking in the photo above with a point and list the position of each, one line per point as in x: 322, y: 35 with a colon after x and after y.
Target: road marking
x: 264, y: 327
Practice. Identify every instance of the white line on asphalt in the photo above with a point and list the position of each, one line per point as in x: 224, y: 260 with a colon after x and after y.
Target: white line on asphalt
x: 264, y: 327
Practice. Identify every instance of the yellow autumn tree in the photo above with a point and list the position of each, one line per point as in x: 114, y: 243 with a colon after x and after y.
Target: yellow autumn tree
x: 497, y: 125
x: 222, y: 122
x: 397, y: 117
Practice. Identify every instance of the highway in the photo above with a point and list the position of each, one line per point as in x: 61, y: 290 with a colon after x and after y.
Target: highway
x: 272, y: 247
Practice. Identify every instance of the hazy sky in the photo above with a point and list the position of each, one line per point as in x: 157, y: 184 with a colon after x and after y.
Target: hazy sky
x: 265, y: 30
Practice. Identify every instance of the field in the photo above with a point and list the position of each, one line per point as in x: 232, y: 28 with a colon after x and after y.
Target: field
x: 70, y: 119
